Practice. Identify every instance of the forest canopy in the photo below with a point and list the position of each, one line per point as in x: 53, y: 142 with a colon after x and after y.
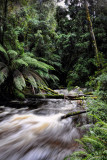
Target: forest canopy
x: 44, y: 43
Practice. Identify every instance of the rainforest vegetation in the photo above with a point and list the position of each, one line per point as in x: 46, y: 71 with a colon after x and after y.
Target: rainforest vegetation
x: 44, y: 45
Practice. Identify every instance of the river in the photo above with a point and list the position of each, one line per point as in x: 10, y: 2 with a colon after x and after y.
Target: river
x: 38, y: 133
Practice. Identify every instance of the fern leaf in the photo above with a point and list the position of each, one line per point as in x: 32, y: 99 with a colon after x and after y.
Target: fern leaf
x: 18, y: 94
x: 2, y: 65
x: 2, y: 49
x: 29, y: 60
x: 54, y: 78
x: 80, y: 153
x: 12, y: 54
x: 3, y: 75
x: 32, y: 80
x: 19, y: 62
x: 38, y: 78
x: 3, y: 53
x: 44, y: 65
x: 33, y: 63
x: 95, y: 158
x: 92, y: 141
x: 105, y: 153
x: 19, y: 80
x: 42, y: 73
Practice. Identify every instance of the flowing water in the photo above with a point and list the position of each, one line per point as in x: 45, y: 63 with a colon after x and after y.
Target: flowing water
x: 38, y: 133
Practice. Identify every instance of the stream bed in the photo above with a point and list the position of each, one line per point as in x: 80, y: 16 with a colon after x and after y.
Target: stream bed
x: 38, y: 133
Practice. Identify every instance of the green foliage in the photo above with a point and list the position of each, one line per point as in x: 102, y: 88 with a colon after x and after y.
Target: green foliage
x: 79, y: 74
x: 74, y: 40
x: 95, y: 144
x: 59, y: 38
x: 18, y: 94
x: 97, y: 108
x: 99, y: 83
x: 21, y: 70
x: 19, y: 80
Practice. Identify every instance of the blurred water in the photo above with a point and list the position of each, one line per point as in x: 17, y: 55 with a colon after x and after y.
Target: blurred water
x: 37, y: 133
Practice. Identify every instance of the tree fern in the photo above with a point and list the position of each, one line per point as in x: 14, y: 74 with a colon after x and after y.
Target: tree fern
x: 21, y: 70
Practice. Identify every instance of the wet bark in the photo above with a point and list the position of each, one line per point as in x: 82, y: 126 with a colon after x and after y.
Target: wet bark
x: 73, y: 114
x: 92, y: 33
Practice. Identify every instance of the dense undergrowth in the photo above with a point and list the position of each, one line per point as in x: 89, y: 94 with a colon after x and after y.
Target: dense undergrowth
x: 94, y: 144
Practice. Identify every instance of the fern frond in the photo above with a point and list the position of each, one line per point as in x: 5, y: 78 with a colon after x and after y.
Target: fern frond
x: 34, y: 63
x: 105, y: 153
x: 84, y: 145
x: 29, y: 60
x: 3, y: 53
x: 19, y: 80
x: 18, y: 94
x: 3, y: 74
x: 92, y: 141
x: 40, y: 81
x: 45, y: 66
x: 72, y: 158
x: 2, y: 65
x: 19, y: 62
x: 41, y: 59
x: 101, y: 123
x: 32, y: 81
x: 53, y: 78
x: 2, y: 49
x: 56, y: 64
x: 80, y: 153
x: 42, y: 73
x: 12, y: 54
x: 94, y: 158
x: 102, y: 130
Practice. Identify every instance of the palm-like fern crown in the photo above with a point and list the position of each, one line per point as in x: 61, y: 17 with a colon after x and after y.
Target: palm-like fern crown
x: 24, y: 67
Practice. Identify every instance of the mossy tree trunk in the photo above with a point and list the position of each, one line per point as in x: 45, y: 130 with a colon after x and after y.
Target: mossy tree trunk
x: 92, y: 33
x: 73, y: 114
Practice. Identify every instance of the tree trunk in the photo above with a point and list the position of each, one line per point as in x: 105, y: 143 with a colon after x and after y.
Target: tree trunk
x: 4, y: 21
x: 92, y: 33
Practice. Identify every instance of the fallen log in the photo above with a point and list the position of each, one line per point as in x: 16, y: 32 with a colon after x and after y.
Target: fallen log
x: 73, y: 114
x: 41, y: 96
x: 59, y: 96
x: 46, y: 89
